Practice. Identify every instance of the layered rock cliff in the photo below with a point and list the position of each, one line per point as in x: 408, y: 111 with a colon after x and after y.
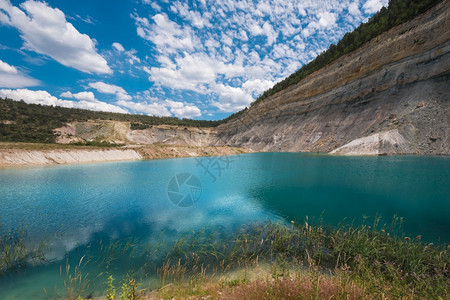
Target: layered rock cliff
x: 121, y: 133
x: 391, y: 96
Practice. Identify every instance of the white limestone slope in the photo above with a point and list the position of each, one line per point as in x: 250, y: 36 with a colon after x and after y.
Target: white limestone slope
x: 64, y: 156
x: 388, y: 142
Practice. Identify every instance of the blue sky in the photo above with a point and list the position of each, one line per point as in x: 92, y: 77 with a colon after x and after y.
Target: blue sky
x: 200, y: 59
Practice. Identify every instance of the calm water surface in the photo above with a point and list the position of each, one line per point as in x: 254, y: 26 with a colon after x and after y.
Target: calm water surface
x: 79, y: 205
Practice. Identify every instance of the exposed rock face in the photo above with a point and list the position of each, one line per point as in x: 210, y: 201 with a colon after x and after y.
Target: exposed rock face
x: 173, y: 135
x: 168, y: 151
x: 383, y: 142
x: 120, y: 133
x: 391, y: 96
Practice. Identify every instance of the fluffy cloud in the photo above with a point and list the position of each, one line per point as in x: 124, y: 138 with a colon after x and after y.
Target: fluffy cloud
x: 327, y: 19
x: 372, y: 6
x: 17, y: 81
x: 257, y: 86
x: 84, y: 96
x: 353, y: 8
x: 45, y: 98
x: 153, y: 109
x: 165, y: 33
x: 130, y: 55
x: 190, y: 72
x: 118, y: 47
x: 231, y: 98
x: 164, y: 108
x: 10, y: 77
x: 196, y: 18
x: 45, y: 30
x: 182, y: 110
x: 66, y: 95
x: 5, y: 68
x: 266, y: 29
x: 100, y: 106
x: 105, y: 88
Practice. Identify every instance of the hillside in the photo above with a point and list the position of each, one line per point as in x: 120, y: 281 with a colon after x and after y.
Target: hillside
x: 390, y: 96
x: 22, y: 122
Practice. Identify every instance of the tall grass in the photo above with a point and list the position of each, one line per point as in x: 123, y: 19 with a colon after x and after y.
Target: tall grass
x: 292, y: 261
x: 76, y: 281
x: 15, y: 251
x: 370, y: 259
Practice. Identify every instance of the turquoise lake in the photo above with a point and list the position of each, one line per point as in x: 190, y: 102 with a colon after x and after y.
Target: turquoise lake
x: 75, y: 206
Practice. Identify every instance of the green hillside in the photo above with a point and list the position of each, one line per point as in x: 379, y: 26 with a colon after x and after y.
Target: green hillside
x: 22, y: 122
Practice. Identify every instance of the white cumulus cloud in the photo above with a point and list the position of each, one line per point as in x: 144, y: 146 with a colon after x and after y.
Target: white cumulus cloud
x: 165, y: 33
x: 146, y: 104
x: 182, y: 110
x: 106, y: 88
x: 256, y: 87
x: 153, y: 109
x: 327, y: 19
x: 231, y: 98
x: 84, y: 96
x: 10, y: 77
x: 6, y: 68
x: 66, y: 95
x: 118, y: 47
x: 45, y: 98
x: 191, y: 72
x: 45, y: 30
x: 372, y: 6
x: 353, y: 8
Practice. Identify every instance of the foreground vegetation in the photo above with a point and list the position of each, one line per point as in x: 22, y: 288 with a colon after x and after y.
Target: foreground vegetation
x: 306, y: 262
x: 265, y: 261
x: 15, y: 253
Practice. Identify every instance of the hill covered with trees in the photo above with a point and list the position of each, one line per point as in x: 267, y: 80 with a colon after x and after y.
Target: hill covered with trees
x: 22, y: 122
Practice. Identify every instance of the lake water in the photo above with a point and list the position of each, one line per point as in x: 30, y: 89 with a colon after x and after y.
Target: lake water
x: 75, y: 206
